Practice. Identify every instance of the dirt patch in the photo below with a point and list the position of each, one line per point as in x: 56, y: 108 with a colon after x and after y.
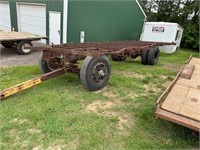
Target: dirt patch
x: 73, y: 145
x: 56, y: 147
x: 18, y: 121
x: 128, y: 74
x: 169, y: 66
x: 25, y: 144
x: 163, y: 77
x: 105, y: 92
x: 34, y: 130
x: 150, y: 88
x: 38, y: 148
x: 125, y: 121
x: 14, y: 132
x: 95, y: 106
x: 133, y: 95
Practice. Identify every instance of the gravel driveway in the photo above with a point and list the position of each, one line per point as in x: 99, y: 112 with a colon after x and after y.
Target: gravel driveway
x: 10, y: 57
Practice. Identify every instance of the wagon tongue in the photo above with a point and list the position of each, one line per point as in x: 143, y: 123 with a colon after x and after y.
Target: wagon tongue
x: 25, y: 85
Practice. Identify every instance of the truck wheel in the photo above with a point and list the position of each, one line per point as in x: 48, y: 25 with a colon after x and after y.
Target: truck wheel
x: 21, y: 49
x: 153, y: 56
x: 144, y: 56
x: 95, y: 72
x: 118, y: 58
x: 43, y: 65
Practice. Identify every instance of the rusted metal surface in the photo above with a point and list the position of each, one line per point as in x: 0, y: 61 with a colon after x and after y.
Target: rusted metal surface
x: 67, y: 55
x: 124, y: 48
x: 28, y: 84
x: 52, y: 74
x: 162, y: 113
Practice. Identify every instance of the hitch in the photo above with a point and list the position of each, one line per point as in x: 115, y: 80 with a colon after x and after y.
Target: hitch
x: 25, y: 85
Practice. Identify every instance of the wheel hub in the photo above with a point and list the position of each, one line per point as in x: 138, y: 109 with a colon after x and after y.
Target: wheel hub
x: 24, y: 49
x: 99, y: 73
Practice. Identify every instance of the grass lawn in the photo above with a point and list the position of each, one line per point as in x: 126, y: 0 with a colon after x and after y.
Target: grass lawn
x: 62, y: 114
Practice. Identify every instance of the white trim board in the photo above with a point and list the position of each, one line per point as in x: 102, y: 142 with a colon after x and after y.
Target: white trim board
x: 141, y: 9
x: 65, y: 19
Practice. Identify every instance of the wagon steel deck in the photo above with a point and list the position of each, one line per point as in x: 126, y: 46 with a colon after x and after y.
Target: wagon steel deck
x: 180, y: 102
x: 124, y: 48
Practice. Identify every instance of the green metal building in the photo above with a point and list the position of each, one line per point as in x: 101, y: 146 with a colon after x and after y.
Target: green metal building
x: 74, y: 20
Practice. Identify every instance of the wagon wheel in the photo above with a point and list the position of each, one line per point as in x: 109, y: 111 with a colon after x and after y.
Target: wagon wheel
x: 52, y: 64
x: 118, y: 58
x: 21, y: 47
x: 95, y: 72
x: 153, y: 56
x: 144, y: 56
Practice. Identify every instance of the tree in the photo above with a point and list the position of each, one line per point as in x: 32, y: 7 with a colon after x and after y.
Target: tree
x: 183, y: 12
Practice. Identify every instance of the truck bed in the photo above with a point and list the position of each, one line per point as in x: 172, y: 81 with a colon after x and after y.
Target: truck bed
x: 180, y: 102
x: 14, y: 36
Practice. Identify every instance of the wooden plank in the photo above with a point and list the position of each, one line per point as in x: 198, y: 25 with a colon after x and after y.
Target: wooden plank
x: 187, y: 71
x: 195, y: 61
x: 191, y: 107
x: 193, y: 83
x: 178, y: 119
x: 175, y: 99
x: 5, y: 36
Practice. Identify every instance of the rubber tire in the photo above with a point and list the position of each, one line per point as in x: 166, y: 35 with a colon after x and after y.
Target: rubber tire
x: 153, y: 56
x: 118, y: 58
x: 144, y: 57
x: 43, y: 66
x: 20, y: 47
x: 86, y: 72
x: 6, y: 46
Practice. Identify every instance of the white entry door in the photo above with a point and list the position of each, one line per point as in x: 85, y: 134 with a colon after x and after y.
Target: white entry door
x: 54, y: 27
x: 5, y: 23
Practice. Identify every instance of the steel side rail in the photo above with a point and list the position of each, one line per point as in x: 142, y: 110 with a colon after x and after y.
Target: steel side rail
x: 27, y: 84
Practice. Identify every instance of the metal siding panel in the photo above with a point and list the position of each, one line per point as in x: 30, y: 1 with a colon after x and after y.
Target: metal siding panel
x: 104, y: 20
x: 5, y: 23
x: 51, y: 5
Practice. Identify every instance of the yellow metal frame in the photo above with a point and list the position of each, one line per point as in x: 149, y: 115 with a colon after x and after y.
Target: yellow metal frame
x: 19, y: 87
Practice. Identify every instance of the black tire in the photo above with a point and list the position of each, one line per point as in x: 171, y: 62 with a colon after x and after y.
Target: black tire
x: 6, y: 45
x: 95, y: 72
x: 153, y: 56
x: 43, y: 65
x: 21, y: 49
x: 144, y: 57
x: 118, y: 58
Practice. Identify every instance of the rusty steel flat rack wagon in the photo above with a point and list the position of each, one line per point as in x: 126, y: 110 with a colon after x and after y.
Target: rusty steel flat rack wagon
x: 19, y: 39
x: 95, y: 70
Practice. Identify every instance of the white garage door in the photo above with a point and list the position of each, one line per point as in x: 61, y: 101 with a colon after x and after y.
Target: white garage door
x: 32, y: 19
x: 5, y: 17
